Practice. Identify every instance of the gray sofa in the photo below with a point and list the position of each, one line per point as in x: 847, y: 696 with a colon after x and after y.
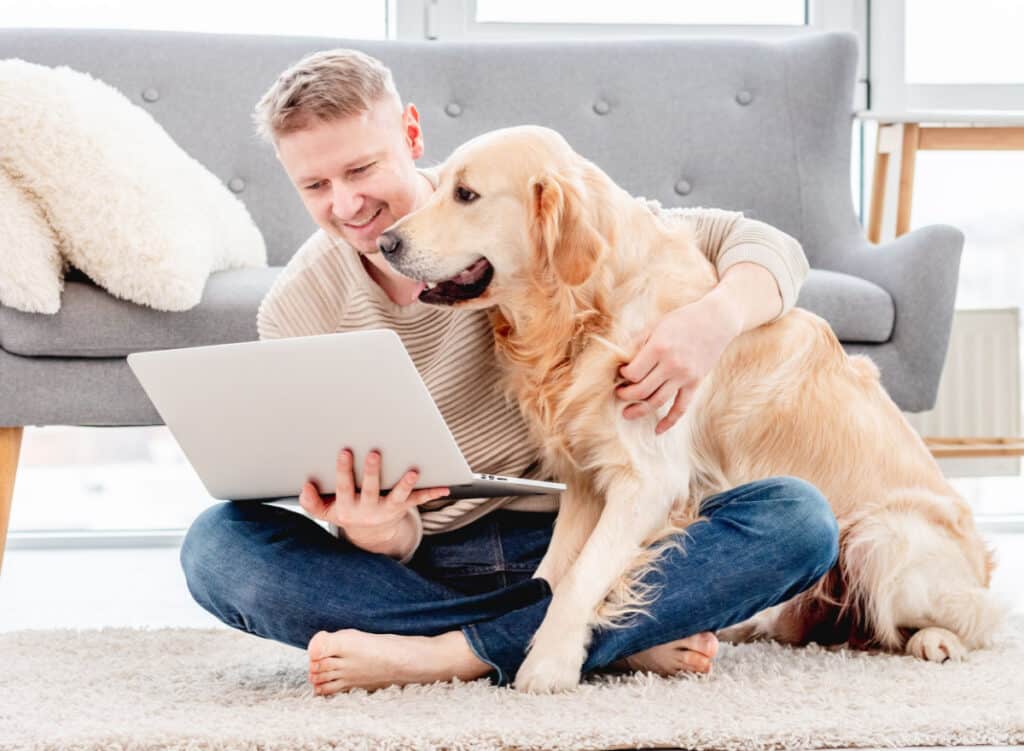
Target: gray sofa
x: 759, y: 127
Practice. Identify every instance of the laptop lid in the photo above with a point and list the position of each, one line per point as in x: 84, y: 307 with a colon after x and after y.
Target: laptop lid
x: 258, y: 419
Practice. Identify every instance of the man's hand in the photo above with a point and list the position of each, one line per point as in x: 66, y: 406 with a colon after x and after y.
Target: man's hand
x: 367, y: 517
x: 686, y: 344
x: 680, y: 350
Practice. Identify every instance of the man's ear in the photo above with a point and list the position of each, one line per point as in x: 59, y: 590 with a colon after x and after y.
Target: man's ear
x: 413, y: 130
x: 565, y: 240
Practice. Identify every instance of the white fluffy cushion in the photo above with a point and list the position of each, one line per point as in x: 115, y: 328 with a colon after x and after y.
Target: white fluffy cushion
x: 31, y: 269
x: 127, y: 205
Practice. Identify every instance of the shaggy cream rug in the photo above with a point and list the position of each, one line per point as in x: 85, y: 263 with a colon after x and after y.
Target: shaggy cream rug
x: 218, y: 689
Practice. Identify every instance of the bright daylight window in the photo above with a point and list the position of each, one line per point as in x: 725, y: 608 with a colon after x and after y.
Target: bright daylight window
x: 81, y: 478
x: 300, y: 18
x: 724, y: 12
x: 953, y: 42
x: 972, y: 51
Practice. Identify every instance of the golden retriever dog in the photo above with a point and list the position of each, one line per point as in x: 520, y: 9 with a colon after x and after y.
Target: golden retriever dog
x: 574, y: 272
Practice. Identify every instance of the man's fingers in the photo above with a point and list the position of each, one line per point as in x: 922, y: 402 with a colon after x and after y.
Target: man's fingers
x: 662, y: 395
x: 636, y: 392
x: 370, y: 489
x: 344, y: 481
x: 678, y: 408
x: 642, y: 364
x: 427, y: 494
x: 310, y: 500
x: 400, y: 493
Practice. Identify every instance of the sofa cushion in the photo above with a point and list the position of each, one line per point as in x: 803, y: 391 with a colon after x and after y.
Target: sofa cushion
x: 93, y: 323
x: 856, y: 309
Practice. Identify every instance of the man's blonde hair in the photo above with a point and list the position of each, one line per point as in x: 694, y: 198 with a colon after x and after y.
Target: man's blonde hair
x: 321, y: 87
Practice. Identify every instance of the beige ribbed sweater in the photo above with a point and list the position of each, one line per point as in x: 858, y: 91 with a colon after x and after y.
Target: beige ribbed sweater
x: 324, y: 288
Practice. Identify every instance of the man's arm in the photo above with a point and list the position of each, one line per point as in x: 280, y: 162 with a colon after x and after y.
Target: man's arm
x: 747, y: 296
x: 760, y: 269
x: 727, y: 239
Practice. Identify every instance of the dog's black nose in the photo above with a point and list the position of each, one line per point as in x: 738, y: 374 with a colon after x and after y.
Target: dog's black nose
x: 389, y: 243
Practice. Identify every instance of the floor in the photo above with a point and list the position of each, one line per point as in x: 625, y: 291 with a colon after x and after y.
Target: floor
x: 92, y: 588
x: 137, y: 587
x: 146, y: 587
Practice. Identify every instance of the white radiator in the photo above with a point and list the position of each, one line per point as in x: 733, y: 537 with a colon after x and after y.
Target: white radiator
x: 980, y: 389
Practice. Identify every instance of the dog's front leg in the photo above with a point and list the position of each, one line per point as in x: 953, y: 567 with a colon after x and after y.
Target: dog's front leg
x: 633, y: 511
x: 578, y: 512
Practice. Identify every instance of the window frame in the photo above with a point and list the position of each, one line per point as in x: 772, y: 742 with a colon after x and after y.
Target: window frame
x: 456, y: 20
x: 892, y: 93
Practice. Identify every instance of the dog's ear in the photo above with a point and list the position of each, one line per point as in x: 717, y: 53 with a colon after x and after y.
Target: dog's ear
x: 564, y: 238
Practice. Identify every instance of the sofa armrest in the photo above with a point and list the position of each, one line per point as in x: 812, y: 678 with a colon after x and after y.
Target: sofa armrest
x: 920, y: 271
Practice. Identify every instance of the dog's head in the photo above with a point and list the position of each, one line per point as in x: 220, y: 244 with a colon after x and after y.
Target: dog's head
x: 514, y: 207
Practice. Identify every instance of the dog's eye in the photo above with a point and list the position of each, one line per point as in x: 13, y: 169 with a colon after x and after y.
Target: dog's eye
x: 465, y: 195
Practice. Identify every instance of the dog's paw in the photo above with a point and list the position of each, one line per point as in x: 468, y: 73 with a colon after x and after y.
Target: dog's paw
x: 548, y: 673
x: 936, y: 645
x: 737, y: 634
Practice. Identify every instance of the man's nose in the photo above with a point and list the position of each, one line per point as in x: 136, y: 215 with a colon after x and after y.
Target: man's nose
x: 390, y: 244
x: 347, y: 203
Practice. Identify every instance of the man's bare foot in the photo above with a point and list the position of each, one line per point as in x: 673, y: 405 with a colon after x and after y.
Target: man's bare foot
x: 692, y: 654
x: 350, y: 658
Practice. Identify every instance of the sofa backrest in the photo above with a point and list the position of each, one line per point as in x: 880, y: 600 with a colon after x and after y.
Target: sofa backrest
x: 761, y: 127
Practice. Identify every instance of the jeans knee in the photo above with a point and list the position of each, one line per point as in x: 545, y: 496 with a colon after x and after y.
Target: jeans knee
x: 201, y: 542
x: 812, y: 525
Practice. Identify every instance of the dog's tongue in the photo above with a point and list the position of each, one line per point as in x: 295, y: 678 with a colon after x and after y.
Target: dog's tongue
x: 472, y: 274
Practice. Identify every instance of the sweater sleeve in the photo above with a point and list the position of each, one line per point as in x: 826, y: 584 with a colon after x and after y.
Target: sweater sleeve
x: 308, y: 296
x: 418, y: 521
x: 728, y: 238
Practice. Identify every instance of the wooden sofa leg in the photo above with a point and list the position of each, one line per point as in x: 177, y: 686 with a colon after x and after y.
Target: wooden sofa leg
x: 10, y: 448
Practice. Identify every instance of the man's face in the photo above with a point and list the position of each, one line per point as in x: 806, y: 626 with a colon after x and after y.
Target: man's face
x: 357, y: 175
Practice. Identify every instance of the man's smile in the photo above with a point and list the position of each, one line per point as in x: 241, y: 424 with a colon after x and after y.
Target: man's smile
x: 368, y: 221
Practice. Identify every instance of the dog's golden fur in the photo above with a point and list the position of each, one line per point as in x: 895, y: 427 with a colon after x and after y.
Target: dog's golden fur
x: 582, y: 270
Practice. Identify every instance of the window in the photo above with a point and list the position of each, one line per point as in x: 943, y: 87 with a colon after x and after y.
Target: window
x: 942, y: 48
x: 91, y: 479
x: 642, y: 11
x: 947, y: 54
x: 986, y: 206
x: 574, y: 19
x: 303, y: 17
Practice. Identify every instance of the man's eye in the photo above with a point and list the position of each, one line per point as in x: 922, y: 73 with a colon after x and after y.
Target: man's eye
x: 315, y: 185
x: 465, y: 195
x: 363, y: 168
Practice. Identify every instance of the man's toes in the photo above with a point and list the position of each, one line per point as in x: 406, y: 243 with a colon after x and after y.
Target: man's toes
x: 326, y: 664
x: 709, y: 644
x: 692, y: 661
x: 334, y: 675
x: 331, y: 687
x: 332, y: 644
x: 705, y: 643
x: 318, y: 645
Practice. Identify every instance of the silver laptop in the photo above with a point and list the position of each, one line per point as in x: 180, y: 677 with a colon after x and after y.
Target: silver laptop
x: 258, y: 419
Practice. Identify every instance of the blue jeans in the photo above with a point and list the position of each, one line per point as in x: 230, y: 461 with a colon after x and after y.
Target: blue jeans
x: 277, y: 574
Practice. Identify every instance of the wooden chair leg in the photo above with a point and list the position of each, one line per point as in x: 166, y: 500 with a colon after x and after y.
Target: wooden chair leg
x: 878, y: 188
x: 10, y: 448
x: 911, y: 141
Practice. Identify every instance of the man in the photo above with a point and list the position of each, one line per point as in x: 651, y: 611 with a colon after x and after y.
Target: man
x: 385, y: 605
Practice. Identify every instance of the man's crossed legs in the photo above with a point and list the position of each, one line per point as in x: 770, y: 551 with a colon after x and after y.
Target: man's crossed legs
x: 369, y: 621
